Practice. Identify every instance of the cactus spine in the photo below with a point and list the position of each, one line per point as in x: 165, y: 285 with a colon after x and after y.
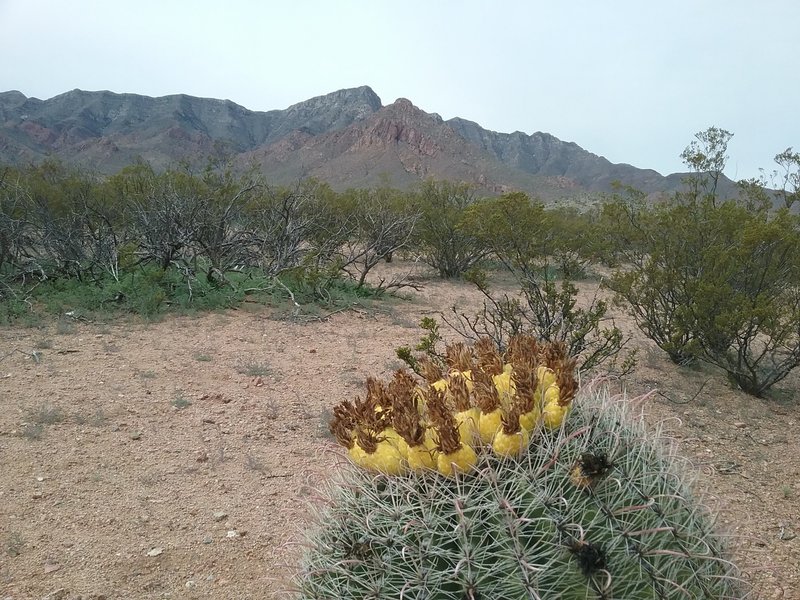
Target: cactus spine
x: 593, y: 507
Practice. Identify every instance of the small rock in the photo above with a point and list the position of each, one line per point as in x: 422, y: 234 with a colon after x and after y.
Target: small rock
x: 190, y: 584
x: 201, y: 457
x: 37, y: 495
x: 258, y: 382
x: 136, y: 435
x: 232, y: 534
x: 208, y: 539
x: 220, y: 515
x: 51, y: 567
x: 312, y: 351
x: 155, y: 552
x: 40, y: 479
x: 739, y: 424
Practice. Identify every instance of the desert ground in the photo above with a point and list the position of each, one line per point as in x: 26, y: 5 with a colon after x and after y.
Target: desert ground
x: 177, y: 458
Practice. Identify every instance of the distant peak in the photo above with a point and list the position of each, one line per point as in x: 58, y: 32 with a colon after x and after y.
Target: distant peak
x: 13, y: 96
x: 360, y: 95
x: 404, y: 105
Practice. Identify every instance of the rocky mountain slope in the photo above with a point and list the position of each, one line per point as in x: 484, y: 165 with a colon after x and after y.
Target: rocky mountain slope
x: 347, y: 138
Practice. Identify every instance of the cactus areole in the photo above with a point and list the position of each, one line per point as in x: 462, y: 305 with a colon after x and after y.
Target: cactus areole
x: 561, y: 497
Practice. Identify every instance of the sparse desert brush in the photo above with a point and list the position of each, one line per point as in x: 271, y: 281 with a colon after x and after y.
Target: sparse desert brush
x: 496, y: 478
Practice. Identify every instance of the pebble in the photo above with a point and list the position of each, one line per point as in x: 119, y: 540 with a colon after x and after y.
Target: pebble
x: 208, y: 539
x: 51, y: 567
x: 155, y: 552
x: 136, y: 435
x: 220, y: 515
x: 739, y: 424
x: 233, y: 533
x: 190, y: 584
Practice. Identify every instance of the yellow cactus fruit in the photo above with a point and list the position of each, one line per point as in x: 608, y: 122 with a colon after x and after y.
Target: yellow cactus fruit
x: 386, y: 459
x: 418, y: 395
x: 546, y: 377
x: 504, y: 385
x: 529, y: 420
x: 553, y: 415
x: 440, y: 385
x: 467, y: 422
x: 393, y: 438
x: 552, y: 395
x: 357, y: 455
x: 467, y: 375
x: 462, y: 460
x: 423, y: 456
x: 510, y: 444
x: 488, y: 425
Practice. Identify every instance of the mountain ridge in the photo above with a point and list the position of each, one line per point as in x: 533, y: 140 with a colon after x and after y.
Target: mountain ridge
x: 347, y: 138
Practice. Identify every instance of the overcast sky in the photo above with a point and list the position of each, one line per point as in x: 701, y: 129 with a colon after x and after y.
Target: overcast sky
x: 630, y: 80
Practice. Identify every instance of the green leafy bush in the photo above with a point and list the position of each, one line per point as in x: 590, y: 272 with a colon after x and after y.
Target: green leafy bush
x: 524, y: 238
x: 444, y: 241
x: 712, y: 279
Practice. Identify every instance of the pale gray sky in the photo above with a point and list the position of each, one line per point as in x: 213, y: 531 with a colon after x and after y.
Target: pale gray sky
x: 630, y: 80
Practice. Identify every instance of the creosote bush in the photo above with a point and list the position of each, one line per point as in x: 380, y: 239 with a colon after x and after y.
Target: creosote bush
x: 589, y: 505
x: 530, y: 242
x: 711, y: 278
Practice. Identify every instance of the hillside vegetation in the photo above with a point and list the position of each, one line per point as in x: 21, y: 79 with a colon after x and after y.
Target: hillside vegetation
x: 705, y: 277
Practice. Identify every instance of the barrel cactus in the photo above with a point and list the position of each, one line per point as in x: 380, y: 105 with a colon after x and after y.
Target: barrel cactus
x: 494, y: 479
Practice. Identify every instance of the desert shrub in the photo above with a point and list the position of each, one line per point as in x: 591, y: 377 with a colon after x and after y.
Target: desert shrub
x: 281, y: 219
x: 441, y: 236
x: 746, y: 314
x: 574, y: 241
x: 521, y: 236
x: 713, y: 279
x: 384, y: 224
x: 660, y: 248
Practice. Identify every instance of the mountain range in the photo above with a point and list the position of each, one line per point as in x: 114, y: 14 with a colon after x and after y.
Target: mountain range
x: 347, y: 138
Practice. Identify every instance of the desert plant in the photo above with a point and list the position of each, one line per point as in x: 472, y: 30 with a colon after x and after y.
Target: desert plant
x: 445, y: 244
x: 595, y: 507
x: 655, y: 281
x: 385, y: 221
x: 180, y: 401
x: 712, y: 279
x: 524, y: 239
x: 747, y: 314
x: 282, y: 220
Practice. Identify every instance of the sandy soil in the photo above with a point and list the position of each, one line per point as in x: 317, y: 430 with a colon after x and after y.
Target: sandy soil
x: 176, y: 459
